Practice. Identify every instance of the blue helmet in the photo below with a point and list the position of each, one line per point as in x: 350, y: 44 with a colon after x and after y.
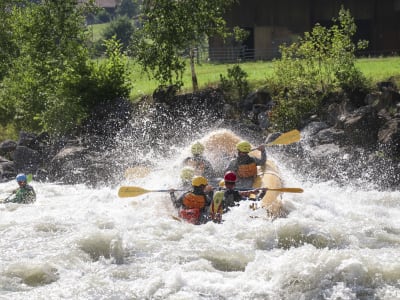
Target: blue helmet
x: 21, y: 177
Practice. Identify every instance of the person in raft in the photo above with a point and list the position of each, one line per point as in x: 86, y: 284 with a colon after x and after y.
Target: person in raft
x: 201, y: 166
x: 228, y: 197
x: 193, y: 205
x: 245, y: 166
x: 25, y: 194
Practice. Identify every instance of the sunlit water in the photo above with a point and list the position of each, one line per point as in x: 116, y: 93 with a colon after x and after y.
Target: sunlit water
x: 77, y: 242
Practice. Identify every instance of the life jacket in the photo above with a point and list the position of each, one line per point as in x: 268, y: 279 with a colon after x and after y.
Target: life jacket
x: 191, y: 200
x: 247, y: 170
x: 190, y: 215
x: 216, y: 208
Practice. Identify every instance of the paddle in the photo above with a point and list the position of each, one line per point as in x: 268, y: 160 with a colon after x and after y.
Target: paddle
x: 134, y: 191
x: 286, y: 138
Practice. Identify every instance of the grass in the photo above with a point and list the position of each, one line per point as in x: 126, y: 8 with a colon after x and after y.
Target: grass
x: 375, y: 69
x: 380, y: 69
x: 208, y: 75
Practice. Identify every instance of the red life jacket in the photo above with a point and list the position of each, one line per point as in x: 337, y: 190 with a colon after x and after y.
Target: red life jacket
x: 190, y: 215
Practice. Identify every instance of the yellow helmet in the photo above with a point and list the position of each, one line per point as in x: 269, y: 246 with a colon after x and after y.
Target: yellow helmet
x: 197, y: 148
x: 199, y: 180
x: 243, y: 146
x: 187, y: 173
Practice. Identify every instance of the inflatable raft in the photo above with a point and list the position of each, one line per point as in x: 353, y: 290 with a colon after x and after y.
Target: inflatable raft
x: 220, y: 146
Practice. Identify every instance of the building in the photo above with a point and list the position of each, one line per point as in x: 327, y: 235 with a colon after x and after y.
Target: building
x: 271, y: 23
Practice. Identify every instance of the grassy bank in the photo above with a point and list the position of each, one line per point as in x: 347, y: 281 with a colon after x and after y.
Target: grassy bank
x: 375, y: 69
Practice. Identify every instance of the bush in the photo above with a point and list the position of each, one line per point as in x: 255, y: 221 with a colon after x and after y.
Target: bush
x: 235, y: 86
x: 323, y: 61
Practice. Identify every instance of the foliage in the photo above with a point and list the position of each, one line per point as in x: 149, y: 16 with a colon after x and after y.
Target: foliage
x: 323, y: 60
x: 53, y: 84
x: 128, y: 8
x: 122, y: 28
x: 235, y: 86
x: 172, y: 28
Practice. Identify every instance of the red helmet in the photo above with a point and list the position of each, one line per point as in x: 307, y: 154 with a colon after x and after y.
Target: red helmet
x: 230, y: 176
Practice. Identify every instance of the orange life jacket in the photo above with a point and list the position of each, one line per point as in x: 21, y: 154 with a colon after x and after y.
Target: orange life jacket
x: 247, y: 170
x: 191, y: 200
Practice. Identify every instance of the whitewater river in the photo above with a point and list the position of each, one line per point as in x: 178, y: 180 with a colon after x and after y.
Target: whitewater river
x: 77, y: 242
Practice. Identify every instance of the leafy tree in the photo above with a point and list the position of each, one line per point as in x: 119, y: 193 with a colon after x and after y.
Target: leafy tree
x: 122, y: 28
x: 52, y: 83
x: 317, y: 64
x: 172, y: 29
x: 127, y: 8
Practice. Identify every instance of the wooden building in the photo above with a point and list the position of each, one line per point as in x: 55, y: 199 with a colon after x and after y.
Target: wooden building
x: 271, y: 23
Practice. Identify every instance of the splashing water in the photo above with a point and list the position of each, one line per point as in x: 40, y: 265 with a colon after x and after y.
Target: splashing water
x: 81, y: 243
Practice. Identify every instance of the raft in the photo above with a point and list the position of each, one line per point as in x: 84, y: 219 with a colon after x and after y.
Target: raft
x: 220, y: 146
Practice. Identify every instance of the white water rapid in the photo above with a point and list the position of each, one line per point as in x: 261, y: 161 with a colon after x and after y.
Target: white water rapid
x: 78, y: 242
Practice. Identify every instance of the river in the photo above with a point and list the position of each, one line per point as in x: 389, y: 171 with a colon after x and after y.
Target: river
x: 77, y: 242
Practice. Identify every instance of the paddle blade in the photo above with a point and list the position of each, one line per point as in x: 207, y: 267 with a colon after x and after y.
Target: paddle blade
x: 287, y: 190
x: 131, y: 191
x: 289, y: 137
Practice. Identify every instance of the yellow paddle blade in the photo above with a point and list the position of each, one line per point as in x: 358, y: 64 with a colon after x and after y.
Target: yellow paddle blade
x: 131, y: 191
x: 134, y: 191
x: 289, y: 137
x: 137, y: 172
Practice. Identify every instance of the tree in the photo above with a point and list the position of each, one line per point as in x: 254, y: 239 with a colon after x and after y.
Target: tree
x: 175, y: 28
x: 127, y: 8
x: 52, y: 83
x: 320, y: 62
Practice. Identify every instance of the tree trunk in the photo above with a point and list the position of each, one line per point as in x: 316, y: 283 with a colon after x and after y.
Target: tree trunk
x: 192, y: 69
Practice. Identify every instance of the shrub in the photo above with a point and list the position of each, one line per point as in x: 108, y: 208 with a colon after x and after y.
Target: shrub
x: 320, y: 62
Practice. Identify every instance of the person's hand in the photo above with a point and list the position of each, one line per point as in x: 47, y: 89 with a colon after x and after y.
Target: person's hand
x: 171, y: 191
x: 261, y: 148
x: 208, y: 188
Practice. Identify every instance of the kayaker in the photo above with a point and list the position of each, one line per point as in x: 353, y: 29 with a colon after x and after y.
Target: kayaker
x: 230, y: 197
x: 201, y: 166
x: 193, y: 205
x: 25, y: 194
x: 245, y: 166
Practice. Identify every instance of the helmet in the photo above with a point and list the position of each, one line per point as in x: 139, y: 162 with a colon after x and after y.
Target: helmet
x: 199, y: 180
x: 187, y: 173
x: 243, y: 146
x: 230, y: 176
x: 197, y: 148
x: 21, y: 177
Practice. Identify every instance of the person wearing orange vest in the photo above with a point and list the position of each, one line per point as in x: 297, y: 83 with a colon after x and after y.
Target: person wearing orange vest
x: 193, y: 205
x: 245, y: 166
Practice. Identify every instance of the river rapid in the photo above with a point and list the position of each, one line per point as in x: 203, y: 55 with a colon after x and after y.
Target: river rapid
x: 77, y: 242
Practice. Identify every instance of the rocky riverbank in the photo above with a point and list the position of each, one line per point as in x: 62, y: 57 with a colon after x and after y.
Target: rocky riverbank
x: 351, y: 139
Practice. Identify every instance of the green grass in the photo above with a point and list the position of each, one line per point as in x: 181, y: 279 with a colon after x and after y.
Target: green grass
x: 375, y: 69
x: 96, y: 31
x: 380, y: 69
x: 208, y: 75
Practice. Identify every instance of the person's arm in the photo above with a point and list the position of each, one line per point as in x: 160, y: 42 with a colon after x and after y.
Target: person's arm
x: 177, y: 202
x: 263, y: 159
